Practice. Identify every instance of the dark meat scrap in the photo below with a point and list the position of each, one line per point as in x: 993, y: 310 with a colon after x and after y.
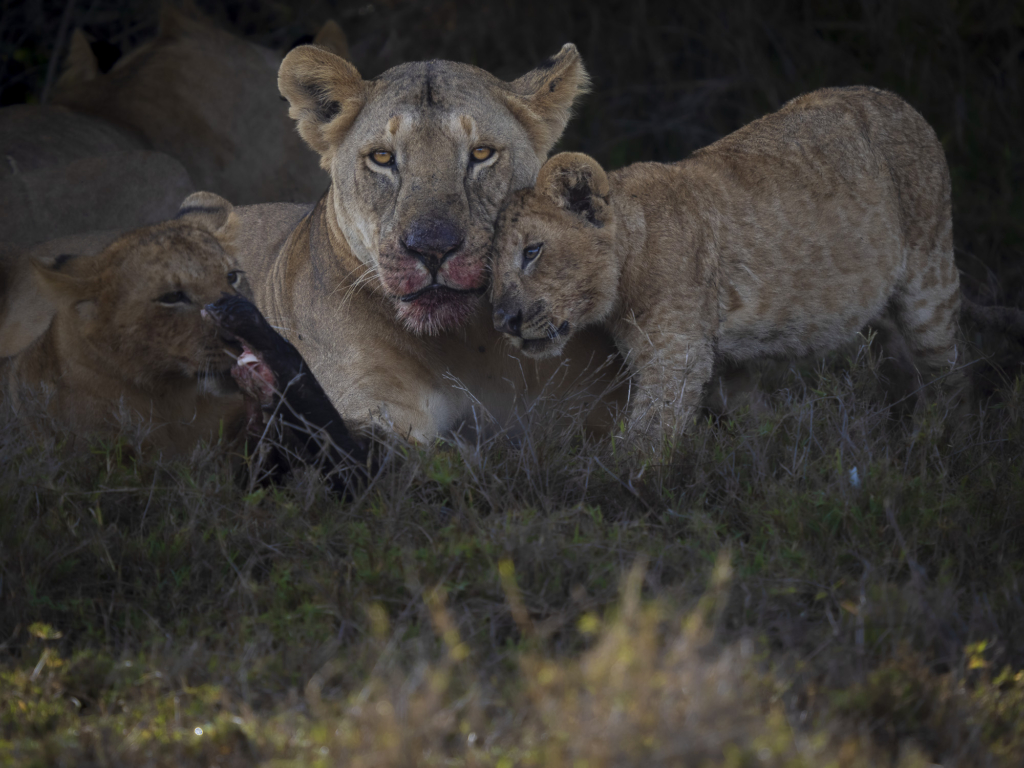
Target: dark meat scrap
x: 278, y: 384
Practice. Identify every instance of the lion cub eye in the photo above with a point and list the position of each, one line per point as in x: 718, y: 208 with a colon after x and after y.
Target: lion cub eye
x: 382, y: 157
x: 233, y: 276
x: 174, y: 297
x: 481, y: 153
x: 530, y: 253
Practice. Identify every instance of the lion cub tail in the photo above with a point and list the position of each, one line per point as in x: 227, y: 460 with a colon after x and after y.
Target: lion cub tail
x: 1007, y: 320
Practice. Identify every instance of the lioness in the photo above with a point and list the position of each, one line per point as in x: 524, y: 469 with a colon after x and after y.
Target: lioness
x: 127, y: 343
x: 380, y: 286
x: 784, y: 238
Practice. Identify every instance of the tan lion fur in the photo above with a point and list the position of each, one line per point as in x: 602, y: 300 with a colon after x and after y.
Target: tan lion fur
x: 26, y: 306
x: 339, y: 288
x: 127, y: 348
x: 194, y: 108
x: 208, y: 99
x: 63, y: 173
x: 783, y: 239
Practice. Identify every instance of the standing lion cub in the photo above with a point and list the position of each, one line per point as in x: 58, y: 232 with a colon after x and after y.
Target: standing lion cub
x: 784, y: 238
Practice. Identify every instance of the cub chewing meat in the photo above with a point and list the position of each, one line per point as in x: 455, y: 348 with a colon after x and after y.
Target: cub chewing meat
x: 127, y: 347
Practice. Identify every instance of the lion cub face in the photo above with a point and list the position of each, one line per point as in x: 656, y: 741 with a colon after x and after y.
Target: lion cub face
x: 554, y: 266
x: 136, y: 306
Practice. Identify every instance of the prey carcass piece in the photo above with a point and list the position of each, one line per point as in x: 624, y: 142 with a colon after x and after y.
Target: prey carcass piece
x: 278, y: 384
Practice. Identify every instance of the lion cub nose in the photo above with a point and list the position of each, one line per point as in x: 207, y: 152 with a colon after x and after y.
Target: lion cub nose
x: 509, y: 323
x: 432, y: 241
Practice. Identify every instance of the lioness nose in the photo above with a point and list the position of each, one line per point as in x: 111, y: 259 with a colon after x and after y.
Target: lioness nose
x: 506, y: 322
x: 432, y: 241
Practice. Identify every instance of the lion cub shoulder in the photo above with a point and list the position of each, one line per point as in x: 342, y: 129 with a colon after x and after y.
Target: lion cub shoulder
x: 784, y: 238
x: 127, y: 347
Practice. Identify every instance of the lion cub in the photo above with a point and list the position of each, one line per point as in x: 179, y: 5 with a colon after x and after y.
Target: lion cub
x: 127, y: 346
x: 784, y: 238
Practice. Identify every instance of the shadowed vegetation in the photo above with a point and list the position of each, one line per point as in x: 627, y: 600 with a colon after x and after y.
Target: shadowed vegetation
x: 866, y: 600
x: 805, y: 582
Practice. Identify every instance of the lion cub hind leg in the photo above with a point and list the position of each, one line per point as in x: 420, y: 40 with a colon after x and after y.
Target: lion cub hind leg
x: 925, y: 313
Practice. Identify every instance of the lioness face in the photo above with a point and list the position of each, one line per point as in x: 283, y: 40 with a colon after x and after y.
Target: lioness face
x: 421, y: 177
x: 421, y: 158
x: 553, y: 273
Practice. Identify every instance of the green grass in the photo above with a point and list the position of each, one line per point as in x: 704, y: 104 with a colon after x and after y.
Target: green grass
x: 744, y: 603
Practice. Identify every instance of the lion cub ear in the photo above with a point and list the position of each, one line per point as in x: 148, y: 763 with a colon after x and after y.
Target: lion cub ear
x: 577, y: 183
x: 542, y: 99
x: 75, y: 283
x: 325, y: 94
x: 210, y: 212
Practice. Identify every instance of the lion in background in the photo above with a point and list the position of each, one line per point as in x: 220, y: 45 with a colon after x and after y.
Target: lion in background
x: 783, y: 239
x: 127, y: 348
x: 207, y: 98
x: 194, y: 108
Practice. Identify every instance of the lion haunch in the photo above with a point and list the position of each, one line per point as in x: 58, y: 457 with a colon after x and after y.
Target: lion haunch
x: 784, y: 238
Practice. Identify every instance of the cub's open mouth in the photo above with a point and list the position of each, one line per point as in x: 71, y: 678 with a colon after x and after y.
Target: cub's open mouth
x: 552, y: 334
x: 436, y: 293
x: 250, y: 371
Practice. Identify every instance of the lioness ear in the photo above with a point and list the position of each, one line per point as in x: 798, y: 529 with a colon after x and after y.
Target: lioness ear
x: 81, y: 64
x: 542, y: 99
x: 179, y: 22
x: 332, y: 38
x: 209, y: 212
x: 577, y: 183
x: 325, y: 94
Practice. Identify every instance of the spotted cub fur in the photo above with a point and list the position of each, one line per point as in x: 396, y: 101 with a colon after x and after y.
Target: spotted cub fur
x: 784, y: 238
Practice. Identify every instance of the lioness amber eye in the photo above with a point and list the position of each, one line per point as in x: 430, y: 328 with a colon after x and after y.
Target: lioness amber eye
x: 383, y: 157
x: 482, y: 153
x: 174, y: 297
x: 530, y: 253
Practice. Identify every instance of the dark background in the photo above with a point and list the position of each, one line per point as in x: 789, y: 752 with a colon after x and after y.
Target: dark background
x: 667, y: 77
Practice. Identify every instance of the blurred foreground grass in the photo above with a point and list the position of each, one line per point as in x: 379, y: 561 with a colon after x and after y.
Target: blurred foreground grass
x: 813, y: 584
